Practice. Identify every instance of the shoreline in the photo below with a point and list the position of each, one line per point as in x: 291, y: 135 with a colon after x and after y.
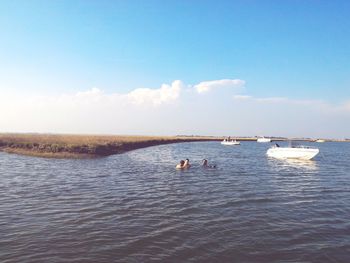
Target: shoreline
x: 83, y: 146
x: 94, y: 146
x: 51, y: 155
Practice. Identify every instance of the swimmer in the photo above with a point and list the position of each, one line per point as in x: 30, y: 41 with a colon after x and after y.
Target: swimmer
x: 205, y: 164
x: 181, y: 165
x: 187, y: 164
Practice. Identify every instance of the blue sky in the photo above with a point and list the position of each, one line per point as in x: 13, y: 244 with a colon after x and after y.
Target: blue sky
x: 297, y: 50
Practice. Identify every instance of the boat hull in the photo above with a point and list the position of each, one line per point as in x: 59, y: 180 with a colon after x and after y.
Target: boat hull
x: 292, y: 153
x: 230, y: 143
x: 263, y: 140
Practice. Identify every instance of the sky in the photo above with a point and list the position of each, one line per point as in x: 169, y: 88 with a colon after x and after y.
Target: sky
x: 194, y: 67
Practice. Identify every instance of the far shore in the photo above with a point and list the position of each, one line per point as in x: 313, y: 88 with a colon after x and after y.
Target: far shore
x: 93, y: 146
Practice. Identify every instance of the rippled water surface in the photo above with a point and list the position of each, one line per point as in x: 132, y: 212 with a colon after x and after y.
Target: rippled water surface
x: 135, y: 207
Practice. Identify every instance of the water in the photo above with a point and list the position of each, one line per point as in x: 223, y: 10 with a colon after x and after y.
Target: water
x: 135, y: 207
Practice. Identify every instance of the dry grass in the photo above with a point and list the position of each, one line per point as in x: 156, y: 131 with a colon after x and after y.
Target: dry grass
x: 56, y: 155
x: 82, y: 146
x: 75, y: 139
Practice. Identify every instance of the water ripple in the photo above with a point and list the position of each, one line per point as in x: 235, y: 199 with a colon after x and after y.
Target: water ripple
x: 136, y: 207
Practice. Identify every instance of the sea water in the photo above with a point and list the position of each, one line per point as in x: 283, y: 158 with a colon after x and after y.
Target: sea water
x: 136, y: 207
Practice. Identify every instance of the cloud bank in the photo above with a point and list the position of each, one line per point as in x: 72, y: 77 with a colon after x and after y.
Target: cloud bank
x: 175, y: 108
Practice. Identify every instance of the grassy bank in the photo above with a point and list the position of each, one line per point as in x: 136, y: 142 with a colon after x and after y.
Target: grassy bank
x: 91, y: 146
x: 82, y: 146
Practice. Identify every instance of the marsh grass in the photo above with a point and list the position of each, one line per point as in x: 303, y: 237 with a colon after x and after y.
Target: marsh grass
x: 83, y: 146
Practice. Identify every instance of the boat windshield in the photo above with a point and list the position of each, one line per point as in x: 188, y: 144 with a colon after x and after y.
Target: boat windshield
x: 294, y: 144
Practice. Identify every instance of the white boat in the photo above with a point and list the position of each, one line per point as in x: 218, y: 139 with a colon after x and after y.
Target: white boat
x: 232, y: 142
x: 300, y: 152
x: 320, y: 140
x: 263, y: 139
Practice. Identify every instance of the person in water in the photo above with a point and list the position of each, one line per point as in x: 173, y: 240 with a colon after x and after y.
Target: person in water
x: 205, y: 164
x: 183, y: 164
x: 187, y: 164
x: 180, y: 165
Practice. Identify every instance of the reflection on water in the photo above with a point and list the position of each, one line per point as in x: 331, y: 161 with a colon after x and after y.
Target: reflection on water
x: 285, y: 164
x: 135, y: 207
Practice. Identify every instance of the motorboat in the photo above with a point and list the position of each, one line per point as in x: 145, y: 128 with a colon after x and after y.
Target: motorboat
x: 263, y: 139
x: 292, y: 152
x: 230, y: 142
x: 320, y: 140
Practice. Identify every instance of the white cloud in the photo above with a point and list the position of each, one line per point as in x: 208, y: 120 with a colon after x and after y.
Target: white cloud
x: 207, y: 86
x: 242, y: 97
x: 319, y: 104
x: 267, y: 99
x: 173, y: 109
x: 90, y: 93
x: 272, y: 99
x: 91, y: 111
x: 167, y: 93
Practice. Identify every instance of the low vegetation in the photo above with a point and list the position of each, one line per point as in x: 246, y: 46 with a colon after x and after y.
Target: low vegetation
x: 82, y: 146
x: 90, y: 146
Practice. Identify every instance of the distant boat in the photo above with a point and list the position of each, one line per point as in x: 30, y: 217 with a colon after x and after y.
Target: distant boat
x: 292, y: 152
x: 320, y: 140
x: 231, y: 142
x: 263, y: 139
